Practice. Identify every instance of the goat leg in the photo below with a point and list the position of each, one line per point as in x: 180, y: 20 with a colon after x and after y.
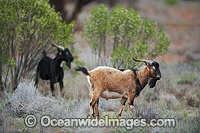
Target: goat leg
x: 134, y: 100
x: 92, y: 109
x: 95, y: 97
x: 122, y: 105
x: 61, y: 88
x: 52, y: 88
x: 130, y: 102
x: 96, y: 108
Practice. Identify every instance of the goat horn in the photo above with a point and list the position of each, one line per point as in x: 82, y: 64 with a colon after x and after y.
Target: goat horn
x: 147, y: 61
x: 60, y: 47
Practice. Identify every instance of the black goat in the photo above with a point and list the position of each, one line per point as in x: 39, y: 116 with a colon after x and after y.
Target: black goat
x: 51, y: 69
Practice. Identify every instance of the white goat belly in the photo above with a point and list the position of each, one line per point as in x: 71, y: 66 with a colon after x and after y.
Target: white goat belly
x: 111, y: 95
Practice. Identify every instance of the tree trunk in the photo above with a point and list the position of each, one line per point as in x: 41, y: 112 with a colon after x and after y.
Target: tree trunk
x: 60, y: 4
x: 59, y: 7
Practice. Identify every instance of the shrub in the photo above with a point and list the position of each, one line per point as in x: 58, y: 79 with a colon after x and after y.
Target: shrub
x: 128, y: 34
x: 95, y: 30
x: 169, y: 101
x: 27, y: 27
x: 27, y: 99
x: 147, y: 111
x: 193, y: 98
x: 172, y: 2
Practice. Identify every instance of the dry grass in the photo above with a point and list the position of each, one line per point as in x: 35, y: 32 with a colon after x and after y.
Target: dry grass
x: 74, y: 87
x: 167, y: 100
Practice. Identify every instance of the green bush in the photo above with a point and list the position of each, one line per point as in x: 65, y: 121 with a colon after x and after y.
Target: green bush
x: 27, y: 27
x: 95, y: 30
x: 126, y: 32
x: 172, y: 2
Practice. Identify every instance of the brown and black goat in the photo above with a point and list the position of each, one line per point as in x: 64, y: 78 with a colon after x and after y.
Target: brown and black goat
x: 111, y: 83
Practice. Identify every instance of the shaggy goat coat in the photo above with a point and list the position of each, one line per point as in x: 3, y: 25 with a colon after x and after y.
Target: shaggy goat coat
x: 113, y: 83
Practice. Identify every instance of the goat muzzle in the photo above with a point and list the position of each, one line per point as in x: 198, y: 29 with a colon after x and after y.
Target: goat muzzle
x: 68, y: 64
x: 158, y: 77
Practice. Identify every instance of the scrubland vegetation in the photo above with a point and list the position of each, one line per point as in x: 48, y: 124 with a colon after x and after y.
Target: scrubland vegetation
x: 169, y: 99
x: 176, y: 95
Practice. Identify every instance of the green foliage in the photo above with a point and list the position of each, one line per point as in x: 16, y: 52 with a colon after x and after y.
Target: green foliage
x: 27, y: 27
x: 124, y: 58
x: 95, y: 29
x: 171, y: 2
x: 128, y: 34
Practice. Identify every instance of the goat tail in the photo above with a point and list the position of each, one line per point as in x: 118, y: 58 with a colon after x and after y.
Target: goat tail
x: 44, y: 53
x: 83, y: 70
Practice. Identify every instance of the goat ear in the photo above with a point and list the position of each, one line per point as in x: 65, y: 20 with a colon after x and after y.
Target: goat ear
x: 152, y: 82
x: 59, y: 51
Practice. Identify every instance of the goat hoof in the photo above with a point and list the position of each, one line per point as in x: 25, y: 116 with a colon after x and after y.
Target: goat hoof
x: 118, y: 117
x: 132, y: 109
x: 92, y: 116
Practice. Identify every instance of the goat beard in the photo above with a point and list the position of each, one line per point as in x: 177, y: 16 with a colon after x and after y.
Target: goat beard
x: 152, y: 82
x: 68, y: 64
